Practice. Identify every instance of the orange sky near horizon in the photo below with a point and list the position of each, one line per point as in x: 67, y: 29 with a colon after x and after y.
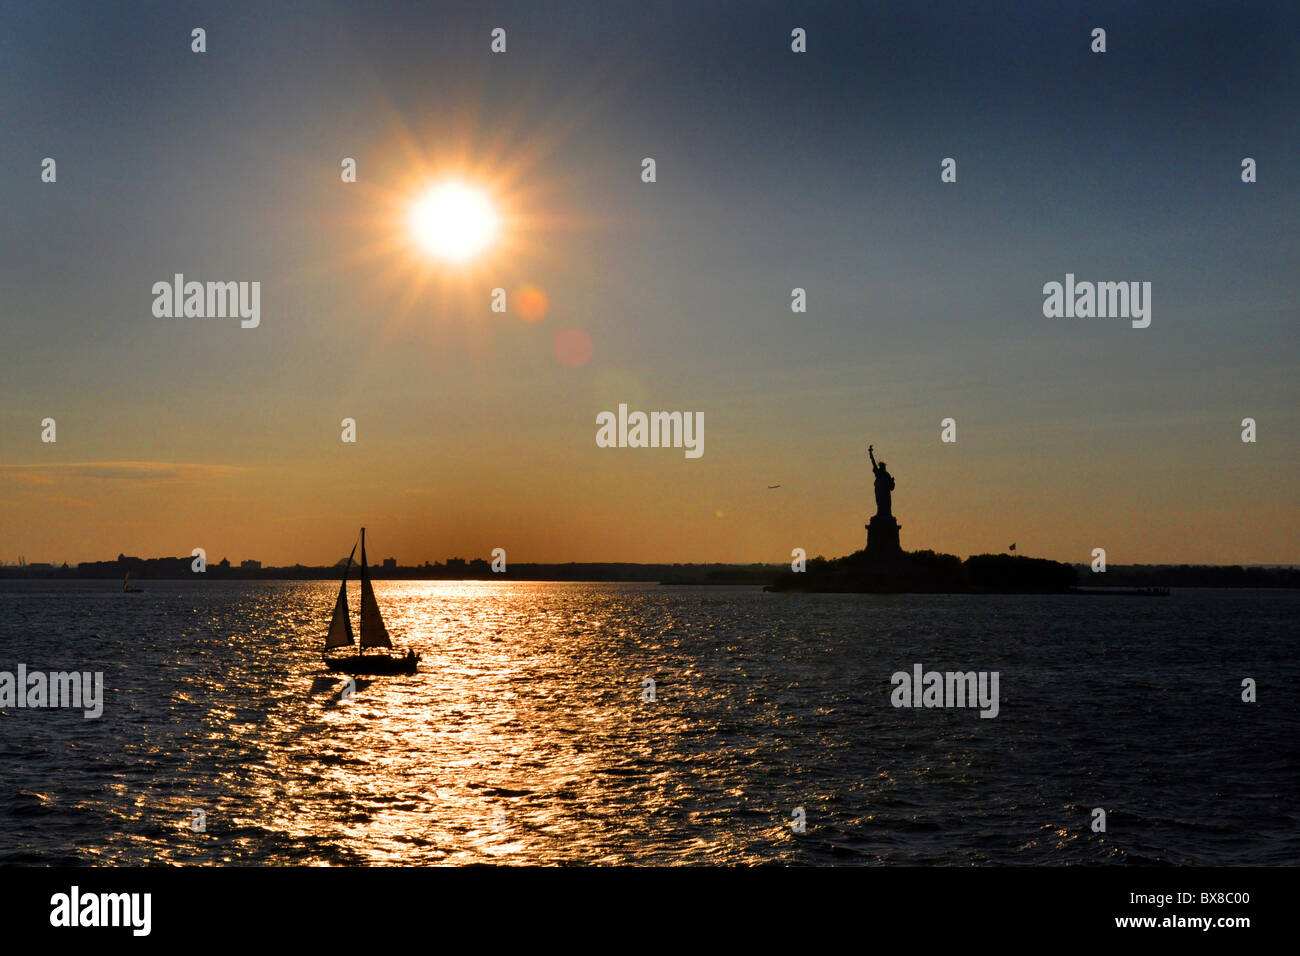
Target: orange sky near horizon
x: 649, y: 505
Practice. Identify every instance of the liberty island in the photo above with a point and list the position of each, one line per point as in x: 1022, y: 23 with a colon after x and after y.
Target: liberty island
x: 884, y: 567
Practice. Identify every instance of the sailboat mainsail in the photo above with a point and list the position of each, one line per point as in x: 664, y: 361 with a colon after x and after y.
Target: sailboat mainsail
x: 373, y: 632
x: 340, y: 632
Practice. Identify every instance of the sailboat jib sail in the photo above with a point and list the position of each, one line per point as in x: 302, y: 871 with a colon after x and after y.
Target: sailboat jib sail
x: 373, y: 632
x: 340, y: 632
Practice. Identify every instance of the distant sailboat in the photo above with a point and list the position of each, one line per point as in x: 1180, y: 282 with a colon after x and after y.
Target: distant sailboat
x: 373, y: 632
x: 126, y: 585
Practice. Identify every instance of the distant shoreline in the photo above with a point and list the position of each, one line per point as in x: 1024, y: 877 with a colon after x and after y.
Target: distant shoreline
x: 141, y: 569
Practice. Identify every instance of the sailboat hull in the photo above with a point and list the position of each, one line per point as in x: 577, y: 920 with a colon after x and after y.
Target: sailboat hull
x: 373, y: 664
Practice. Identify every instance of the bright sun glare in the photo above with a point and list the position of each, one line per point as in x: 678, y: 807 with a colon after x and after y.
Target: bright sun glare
x: 453, y: 221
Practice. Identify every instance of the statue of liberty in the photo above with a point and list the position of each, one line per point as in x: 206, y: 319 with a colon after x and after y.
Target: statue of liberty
x: 884, y: 485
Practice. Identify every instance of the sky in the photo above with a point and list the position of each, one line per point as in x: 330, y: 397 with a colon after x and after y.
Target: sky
x: 775, y: 170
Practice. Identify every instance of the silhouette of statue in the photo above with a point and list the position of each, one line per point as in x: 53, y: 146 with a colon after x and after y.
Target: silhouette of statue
x: 884, y: 485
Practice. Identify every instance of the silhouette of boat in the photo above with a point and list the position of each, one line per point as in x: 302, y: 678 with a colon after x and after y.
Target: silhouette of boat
x: 373, y: 632
x: 126, y: 588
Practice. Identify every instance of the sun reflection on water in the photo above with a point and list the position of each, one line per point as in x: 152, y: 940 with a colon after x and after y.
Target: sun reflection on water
x: 482, y: 753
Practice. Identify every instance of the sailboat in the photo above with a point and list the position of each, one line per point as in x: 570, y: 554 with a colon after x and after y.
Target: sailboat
x: 126, y: 585
x: 373, y: 632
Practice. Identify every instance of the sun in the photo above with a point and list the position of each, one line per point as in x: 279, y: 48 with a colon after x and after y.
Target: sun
x: 454, y: 221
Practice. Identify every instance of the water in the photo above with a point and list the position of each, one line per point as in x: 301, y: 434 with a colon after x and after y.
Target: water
x: 524, y: 737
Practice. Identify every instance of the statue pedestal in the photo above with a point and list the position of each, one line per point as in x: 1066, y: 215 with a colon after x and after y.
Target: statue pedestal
x: 882, y: 536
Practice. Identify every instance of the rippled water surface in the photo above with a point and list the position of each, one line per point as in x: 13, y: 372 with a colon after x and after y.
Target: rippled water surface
x: 524, y: 737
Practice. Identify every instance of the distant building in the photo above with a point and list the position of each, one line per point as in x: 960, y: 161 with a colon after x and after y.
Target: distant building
x: 250, y: 565
x: 225, y: 564
x: 390, y: 564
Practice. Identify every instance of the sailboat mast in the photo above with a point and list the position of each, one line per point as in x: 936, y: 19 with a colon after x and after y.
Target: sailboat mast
x: 361, y: 647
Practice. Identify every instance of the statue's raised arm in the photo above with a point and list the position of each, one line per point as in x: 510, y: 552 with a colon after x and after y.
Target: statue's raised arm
x: 871, y: 451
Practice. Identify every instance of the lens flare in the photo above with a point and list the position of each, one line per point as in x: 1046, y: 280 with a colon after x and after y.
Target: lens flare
x: 531, y: 303
x: 573, y: 347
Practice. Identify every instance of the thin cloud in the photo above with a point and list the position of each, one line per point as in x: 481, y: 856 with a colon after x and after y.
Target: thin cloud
x: 141, y: 472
